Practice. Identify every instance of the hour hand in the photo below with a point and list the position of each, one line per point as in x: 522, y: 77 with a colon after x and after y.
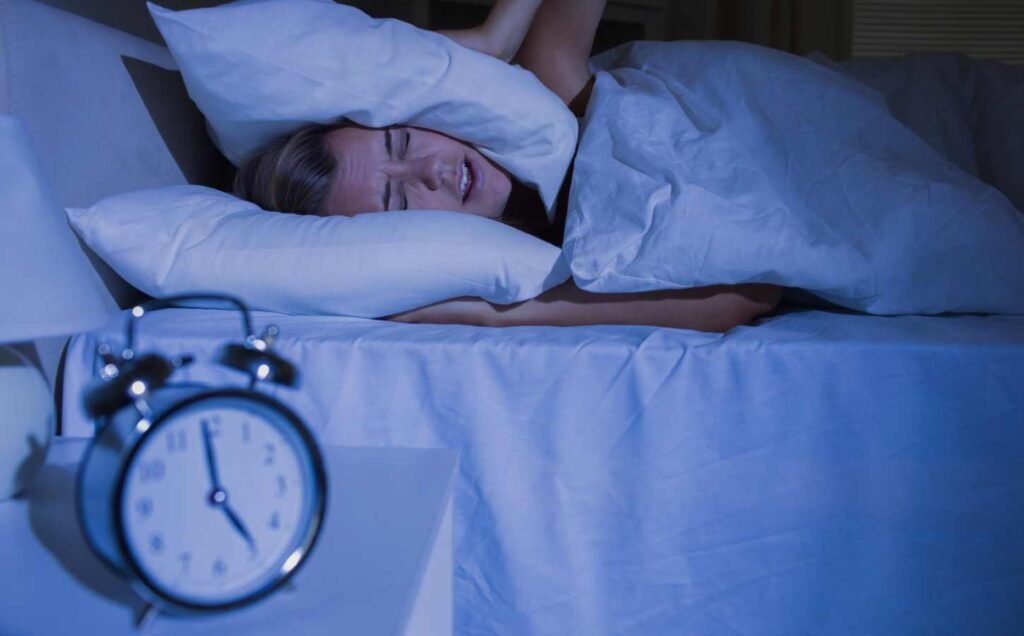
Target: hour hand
x: 237, y: 523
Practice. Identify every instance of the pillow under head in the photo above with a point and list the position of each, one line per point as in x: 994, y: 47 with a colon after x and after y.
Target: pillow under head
x: 259, y: 69
x: 188, y: 239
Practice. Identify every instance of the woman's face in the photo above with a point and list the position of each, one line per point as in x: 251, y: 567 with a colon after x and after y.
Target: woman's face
x: 406, y: 168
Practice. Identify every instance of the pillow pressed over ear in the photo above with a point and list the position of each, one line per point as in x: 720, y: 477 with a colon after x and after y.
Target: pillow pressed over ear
x: 262, y: 68
x: 189, y: 238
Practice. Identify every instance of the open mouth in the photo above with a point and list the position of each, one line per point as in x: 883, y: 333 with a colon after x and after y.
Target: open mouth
x: 466, y: 180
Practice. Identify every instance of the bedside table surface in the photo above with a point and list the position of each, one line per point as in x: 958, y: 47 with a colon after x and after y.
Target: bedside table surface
x: 385, y: 507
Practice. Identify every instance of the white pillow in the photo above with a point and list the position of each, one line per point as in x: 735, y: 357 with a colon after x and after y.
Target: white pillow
x: 706, y: 163
x: 189, y: 238
x: 262, y: 68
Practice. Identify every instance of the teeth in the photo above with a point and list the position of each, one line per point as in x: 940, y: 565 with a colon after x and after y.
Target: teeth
x: 465, y: 180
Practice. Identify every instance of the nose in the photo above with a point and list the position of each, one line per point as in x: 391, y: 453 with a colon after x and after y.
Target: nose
x: 434, y: 171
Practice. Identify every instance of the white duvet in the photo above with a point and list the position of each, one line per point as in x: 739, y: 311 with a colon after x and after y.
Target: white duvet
x: 708, y: 163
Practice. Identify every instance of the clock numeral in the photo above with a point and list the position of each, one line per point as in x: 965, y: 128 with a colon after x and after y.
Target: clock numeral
x: 275, y: 521
x: 185, y: 558
x: 220, y: 568
x: 268, y: 457
x: 245, y: 431
x: 144, y: 507
x: 152, y: 470
x: 282, y: 486
x: 156, y: 543
x: 212, y: 425
x: 176, y: 441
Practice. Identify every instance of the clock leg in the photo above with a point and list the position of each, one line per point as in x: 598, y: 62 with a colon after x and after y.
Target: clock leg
x: 144, y: 617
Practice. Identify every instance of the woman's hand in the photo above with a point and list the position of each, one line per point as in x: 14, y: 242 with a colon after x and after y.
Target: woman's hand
x: 502, y: 33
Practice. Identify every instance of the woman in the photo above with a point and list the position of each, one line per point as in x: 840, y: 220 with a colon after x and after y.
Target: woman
x: 348, y: 169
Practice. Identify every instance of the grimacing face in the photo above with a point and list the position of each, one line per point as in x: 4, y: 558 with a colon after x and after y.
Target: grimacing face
x: 407, y: 168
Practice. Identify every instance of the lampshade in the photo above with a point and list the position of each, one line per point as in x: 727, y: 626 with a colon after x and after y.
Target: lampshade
x: 47, y: 285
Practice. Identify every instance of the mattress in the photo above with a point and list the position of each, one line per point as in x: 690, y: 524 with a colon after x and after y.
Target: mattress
x: 819, y: 472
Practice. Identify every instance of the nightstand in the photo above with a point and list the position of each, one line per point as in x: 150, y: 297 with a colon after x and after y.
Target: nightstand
x: 382, y: 565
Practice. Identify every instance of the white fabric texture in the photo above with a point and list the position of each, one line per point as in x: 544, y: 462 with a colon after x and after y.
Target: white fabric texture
x: 776, y: 480
x: 714, y: 163
x: 969, y: 110
x: 262, y: 68
x: 189, y: 238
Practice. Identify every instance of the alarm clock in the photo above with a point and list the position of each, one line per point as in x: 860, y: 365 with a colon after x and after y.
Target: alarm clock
x: 204, y: 498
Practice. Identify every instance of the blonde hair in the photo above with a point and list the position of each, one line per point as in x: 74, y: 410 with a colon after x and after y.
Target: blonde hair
x: 291, y: 174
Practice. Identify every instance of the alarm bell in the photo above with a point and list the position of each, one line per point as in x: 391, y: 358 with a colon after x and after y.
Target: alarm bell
x: 261, y: 365
x: 132, y: 377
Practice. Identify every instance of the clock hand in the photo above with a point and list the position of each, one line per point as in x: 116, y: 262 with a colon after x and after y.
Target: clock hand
x: 237, y: 522
x: 211, y: 461
x: 219, y: 496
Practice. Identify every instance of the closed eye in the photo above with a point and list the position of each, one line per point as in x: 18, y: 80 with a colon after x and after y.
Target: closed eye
x: 389, y: 152
x: 405, y: 152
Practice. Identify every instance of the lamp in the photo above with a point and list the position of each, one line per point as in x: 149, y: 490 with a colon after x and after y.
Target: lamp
x: 47, y: 288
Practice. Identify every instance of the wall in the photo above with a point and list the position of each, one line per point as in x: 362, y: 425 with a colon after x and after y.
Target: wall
x: 799, y: 26
x: 132, y: 16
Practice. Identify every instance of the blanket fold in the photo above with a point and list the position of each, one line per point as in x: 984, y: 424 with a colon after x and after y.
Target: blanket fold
x: 705, y: 163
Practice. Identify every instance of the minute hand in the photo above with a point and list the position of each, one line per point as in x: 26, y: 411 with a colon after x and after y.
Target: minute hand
x: 211, y: 461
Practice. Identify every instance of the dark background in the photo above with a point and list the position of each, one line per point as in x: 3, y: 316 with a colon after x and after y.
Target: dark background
x: 795, y: 25
x: 838, y: 28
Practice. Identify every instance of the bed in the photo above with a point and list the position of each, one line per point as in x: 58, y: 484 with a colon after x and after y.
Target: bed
x: 821, y: 471
x: 817, y: 473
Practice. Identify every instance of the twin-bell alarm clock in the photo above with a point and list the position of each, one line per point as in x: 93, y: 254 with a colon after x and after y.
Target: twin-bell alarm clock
x: 203, y: 498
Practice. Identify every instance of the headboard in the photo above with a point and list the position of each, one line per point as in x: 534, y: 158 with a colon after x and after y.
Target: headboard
x: 107, y: 113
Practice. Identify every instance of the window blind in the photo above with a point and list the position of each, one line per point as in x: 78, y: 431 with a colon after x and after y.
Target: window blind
x: 992, y: 29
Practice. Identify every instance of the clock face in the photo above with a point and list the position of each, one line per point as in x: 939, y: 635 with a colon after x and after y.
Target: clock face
x: 218, y: 501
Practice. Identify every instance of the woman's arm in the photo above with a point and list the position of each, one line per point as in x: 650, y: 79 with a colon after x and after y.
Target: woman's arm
x: 502, y: 32
x: 551, y: 38
x: 715, y: 309
x: 557, y: 48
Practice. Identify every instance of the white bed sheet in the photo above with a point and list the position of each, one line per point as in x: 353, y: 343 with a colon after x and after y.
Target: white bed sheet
x: 818, y: 473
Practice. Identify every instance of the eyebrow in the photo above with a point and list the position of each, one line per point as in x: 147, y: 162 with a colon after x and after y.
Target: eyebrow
x: 386, y: 198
